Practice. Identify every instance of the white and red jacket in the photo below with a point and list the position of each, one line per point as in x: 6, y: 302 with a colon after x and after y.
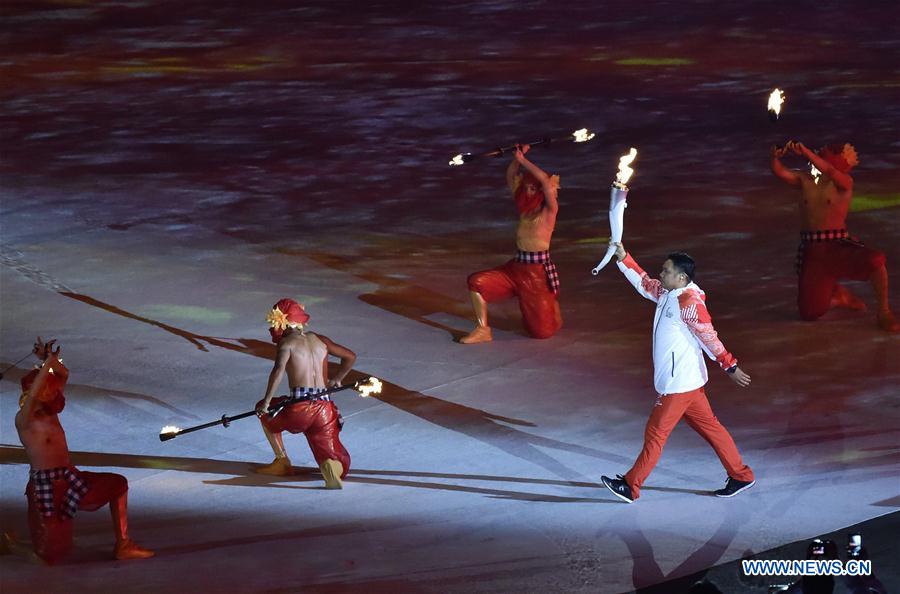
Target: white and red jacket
x: 681, y: 328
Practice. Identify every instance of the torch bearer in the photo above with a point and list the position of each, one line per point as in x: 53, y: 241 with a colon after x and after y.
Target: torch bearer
x: 776, y: 99
x: 617, y: 204
x: 365, y: 388
x: 582, y: 135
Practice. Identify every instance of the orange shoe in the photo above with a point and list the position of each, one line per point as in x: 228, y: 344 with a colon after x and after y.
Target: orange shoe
x: 331, y: 472
x: 887, y: 322
x: 479, y: 334
x: 278, y: 467
x: 127, y: 549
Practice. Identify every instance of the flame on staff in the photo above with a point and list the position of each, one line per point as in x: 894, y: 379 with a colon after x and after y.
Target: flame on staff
x: 776, y: 99
x: 814, y: 172
x: 625, y: 171
x: 582, y: 135
x: 169, y: 429
x: 458, y: 160
x: 371, y: 386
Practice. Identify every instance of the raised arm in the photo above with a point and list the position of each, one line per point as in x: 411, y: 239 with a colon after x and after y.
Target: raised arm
x: 347, y: 357
x: 649, y: 288
x: 51, y: 365
x: 512, y: 173
x: 789, y: 176
x: 548, y: 185
x: 840, y: 179
x: 281, y: 359
x: 696, y: 317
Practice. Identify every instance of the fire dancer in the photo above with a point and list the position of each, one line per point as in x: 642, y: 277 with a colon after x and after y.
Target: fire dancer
x: 531, y: 275
x: 304, y: 356
x: 827, y: 253
x: 56, y: 489
x: 682, y: 328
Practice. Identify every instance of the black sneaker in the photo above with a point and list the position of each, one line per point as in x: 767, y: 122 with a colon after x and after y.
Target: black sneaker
x: 619, y: 487
x: 733, y: 487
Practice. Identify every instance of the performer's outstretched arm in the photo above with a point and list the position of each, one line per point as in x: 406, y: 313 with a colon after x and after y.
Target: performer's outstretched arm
x: 789, y: 176
x: 512, y: 173
x: 281, y: 358
x: 347, y: 357
x: 649, y: 288
x: 548, y: 185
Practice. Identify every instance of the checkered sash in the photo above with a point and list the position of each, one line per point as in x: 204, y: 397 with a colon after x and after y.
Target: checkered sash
x: 43, y: 489
x: 311, y: 394
x: 304, y: 394
x: 820, y: 235
x: 549, y: 267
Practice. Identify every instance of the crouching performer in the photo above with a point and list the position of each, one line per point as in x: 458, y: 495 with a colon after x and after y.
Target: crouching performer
x: 304, y: 356
x: 531, y: 276
x: 56, y: 489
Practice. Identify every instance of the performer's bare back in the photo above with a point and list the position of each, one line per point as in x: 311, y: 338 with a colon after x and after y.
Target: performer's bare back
x: 307, y: 365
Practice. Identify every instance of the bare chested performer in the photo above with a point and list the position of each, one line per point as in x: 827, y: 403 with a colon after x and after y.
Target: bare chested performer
x: 56, y: 489
x: 531, y: 275
x: 827, y: 253
x: 304, y: 356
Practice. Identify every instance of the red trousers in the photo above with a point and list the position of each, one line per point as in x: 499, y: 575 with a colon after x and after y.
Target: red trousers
x: 694, y: 407
x: 51, y: 536
x: 826, y: 262
x: 318, y: 421
x: 528, y: 282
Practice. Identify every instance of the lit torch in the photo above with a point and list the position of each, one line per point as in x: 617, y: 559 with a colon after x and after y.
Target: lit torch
x: 371, y: 386
x: 775, y: 101
x: 365, y: 388
x: 582, y: 135
x: 814, y: 172
x: 167, y: 431
x: 617, y: 204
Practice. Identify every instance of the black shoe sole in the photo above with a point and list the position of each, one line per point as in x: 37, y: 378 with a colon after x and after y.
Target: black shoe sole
x: 744, y: 488
x: 613, y: 491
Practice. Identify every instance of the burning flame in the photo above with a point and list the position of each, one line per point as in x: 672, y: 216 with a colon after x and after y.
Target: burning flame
x: 370, y: 386
x: 170, y: 429
x: 775, y: 101
x: 625, y: 171
x: 582, y: 135
x: 457, y: 160
x: 814, y: 172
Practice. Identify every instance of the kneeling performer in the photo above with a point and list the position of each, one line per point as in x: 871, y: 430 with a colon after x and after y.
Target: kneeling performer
x: 304, y: 356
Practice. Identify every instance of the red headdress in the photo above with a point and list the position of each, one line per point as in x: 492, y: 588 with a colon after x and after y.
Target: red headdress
x: 287, y: 313
x: 842, y: 157
x: 525, y: 202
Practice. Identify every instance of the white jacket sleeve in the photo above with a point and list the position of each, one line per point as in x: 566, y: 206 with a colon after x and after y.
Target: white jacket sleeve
x: 649, y: 288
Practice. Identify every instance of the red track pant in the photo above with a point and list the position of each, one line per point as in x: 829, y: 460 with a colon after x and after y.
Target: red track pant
x: 694, y: 407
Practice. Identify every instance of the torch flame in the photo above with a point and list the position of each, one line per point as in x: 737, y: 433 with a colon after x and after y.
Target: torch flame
x: 170, y: 429
x: 582, y: 135
x: 457, y: 160
x: 625, y: 171
x: 814, y: 172
x: 775, y: 101
x: 371, y: 386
